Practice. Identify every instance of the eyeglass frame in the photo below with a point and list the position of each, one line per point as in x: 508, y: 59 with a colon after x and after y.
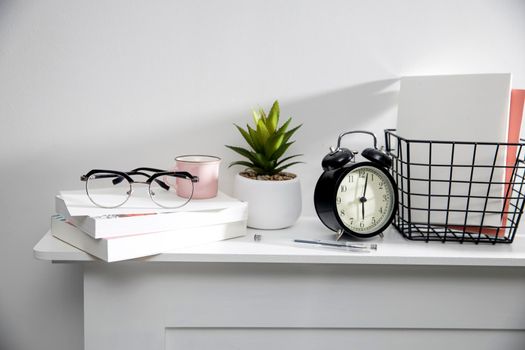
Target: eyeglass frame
x: 140, y: 171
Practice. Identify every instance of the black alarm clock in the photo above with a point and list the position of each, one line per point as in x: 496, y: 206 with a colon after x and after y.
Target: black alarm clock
x: 358, y: 199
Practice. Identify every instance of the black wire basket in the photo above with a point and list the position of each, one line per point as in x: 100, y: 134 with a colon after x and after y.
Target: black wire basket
x: 457, y: 191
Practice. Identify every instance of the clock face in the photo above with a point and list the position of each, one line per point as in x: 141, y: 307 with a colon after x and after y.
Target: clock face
x: 365, y: 199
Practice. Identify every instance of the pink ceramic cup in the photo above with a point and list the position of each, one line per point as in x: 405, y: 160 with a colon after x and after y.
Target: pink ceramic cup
x: 206, y: 168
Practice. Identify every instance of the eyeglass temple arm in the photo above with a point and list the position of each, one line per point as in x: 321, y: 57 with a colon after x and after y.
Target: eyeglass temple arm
x: 161, y: 183
x: 137, y: 172
x: 186, y: 174
x: 119, y: 178
x: 101, y: 176
x: 193, y: 178
x: 149, y: 169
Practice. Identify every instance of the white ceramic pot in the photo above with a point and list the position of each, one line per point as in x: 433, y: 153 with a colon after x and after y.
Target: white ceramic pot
x: 271, y: 204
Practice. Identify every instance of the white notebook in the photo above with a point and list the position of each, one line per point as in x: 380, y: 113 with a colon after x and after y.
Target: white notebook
x: 136, y: 246
x: 473, y: 108
x: 116, y: 225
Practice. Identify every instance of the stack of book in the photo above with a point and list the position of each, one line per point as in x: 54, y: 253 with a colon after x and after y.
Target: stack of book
x: 139, y: 228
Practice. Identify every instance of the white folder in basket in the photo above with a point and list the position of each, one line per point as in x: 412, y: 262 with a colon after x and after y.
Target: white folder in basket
x: 471, y: 108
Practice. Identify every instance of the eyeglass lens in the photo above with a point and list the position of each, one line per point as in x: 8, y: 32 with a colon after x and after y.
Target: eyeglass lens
x: 170, y: 191
x: 108, y: 190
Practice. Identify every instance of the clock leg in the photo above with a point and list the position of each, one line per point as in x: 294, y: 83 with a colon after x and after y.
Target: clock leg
x: 339, y: 234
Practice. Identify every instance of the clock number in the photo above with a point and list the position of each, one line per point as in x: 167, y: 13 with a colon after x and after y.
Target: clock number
x: 362, y: 224
x: 381, y: 210
x: 343, y: 188
x: 351, y: 178
x: 338, y: 200
x: 351, y: 221
x: 342, y: 212
x: 385, y: 197
x: 362, y: 173
x: 373, y: 220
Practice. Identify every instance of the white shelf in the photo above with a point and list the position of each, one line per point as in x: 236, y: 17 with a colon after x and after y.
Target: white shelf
x: 277, y: 246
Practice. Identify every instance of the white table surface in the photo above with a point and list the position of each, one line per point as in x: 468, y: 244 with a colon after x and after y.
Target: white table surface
x: 277, y: 246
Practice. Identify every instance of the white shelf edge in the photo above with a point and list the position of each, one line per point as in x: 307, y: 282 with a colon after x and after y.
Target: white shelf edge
x: 277, y: 247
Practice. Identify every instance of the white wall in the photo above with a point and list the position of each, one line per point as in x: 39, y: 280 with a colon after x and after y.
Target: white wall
x: 120, y: 84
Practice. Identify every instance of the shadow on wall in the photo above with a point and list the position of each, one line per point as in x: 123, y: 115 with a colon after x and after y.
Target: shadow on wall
x: 369, y: 106
x: 361, y: 106
x: 6, y: 7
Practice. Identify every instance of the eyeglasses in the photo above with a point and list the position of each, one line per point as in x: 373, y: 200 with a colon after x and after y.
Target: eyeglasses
x: 167, y: 189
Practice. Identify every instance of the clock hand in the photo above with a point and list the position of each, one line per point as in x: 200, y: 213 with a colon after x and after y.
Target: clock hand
x: 363, y: 198
x: 366, y: 183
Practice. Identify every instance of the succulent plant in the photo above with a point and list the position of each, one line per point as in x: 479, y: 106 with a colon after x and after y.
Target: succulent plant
x: 268, y: 143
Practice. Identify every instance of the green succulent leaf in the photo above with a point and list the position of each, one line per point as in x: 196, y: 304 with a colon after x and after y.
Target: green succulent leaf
x: 268, y: 142
x: 273, y: 117
x: 262, y: 161
x: 258, y: 145
x: 283, y: 128
x: 279, y: 153
x: 278, y: 170
x: 262, y: 113
x: 273, y: 144
x: 241, y: 162
x: 246, y: 136
x: 256, y: 116
x: 245, y: 153
x: 262, y: 131
x: 288, y: 158
x: 289, y: 133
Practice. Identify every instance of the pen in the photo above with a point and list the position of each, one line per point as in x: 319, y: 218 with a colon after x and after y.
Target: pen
x: 363, y: 247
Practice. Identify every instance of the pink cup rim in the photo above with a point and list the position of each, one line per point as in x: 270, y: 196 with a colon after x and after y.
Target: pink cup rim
x: 213, y: 160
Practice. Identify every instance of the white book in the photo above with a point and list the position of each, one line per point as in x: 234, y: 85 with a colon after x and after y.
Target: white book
x: 78, y: 203
x: 136, y: 246
x: 472, y: 108
x: 114, y: 224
